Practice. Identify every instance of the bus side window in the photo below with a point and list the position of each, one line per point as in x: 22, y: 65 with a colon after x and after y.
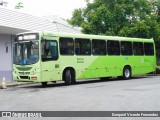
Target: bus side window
x: 53, y: 49
x: 113, y: 47
x: 77, y: 49
x: 83, y: 46
x: 66, y: 46
x: 138, y: 48
x: 126, y: 48
x: 42, y: 47
x: 45, y: 48
x: 149, y: 49
x: 98, y: 47
x: 49, y: 50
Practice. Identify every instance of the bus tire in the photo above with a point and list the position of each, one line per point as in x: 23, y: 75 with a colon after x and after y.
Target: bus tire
x: 67, y: 77
x: 44, y: 84
x: 73, y: 77
x: 126, y: 73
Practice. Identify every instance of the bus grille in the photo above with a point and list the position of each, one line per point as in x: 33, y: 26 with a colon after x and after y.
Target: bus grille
x: 24, y: 77
x: 24, y: 73
x: 24, y: 68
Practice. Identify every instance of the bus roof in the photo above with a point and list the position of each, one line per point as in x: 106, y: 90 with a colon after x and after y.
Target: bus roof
x: 88, y: 36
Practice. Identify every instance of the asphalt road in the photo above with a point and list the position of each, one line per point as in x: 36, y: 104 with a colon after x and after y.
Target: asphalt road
x: 137, y: 94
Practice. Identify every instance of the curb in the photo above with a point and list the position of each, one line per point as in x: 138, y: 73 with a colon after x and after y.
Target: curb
x: 13, y: 84
x: 18, y: 84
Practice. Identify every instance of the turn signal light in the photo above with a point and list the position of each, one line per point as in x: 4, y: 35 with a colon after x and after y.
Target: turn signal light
x: 34, y: 78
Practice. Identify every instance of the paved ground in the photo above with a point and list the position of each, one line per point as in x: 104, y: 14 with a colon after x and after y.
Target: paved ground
x: 137, y: 94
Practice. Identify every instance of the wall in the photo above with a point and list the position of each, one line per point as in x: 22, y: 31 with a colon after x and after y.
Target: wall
x: 5, y: 58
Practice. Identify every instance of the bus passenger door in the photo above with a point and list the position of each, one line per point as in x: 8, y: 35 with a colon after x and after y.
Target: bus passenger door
x: 50, y: 70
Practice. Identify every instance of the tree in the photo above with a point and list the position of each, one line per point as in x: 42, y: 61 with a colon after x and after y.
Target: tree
x: 134, y: 18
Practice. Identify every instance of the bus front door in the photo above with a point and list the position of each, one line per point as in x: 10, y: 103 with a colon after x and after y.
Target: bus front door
x: 50, y: 63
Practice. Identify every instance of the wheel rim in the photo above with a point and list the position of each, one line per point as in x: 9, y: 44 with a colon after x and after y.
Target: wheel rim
x: 127, y: 73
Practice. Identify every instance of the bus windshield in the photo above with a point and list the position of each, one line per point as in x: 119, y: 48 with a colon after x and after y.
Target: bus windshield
x: 26, y: 52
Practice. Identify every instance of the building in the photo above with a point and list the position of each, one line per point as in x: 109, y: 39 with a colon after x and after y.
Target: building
x: 13, y: 22
x: 3, y: 3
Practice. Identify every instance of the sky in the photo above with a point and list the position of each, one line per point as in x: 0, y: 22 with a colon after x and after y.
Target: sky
x: 61, y: 8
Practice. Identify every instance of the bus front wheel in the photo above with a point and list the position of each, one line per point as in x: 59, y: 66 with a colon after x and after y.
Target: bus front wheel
x: 44, y: 84
x: 68, y: 77
x: 126, y: 73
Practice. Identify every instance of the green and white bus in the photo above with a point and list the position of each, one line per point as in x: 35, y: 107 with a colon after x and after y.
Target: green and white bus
x: 46, y: 56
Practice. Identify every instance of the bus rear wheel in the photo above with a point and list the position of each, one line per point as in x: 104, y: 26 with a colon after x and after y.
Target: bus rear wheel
x: 126, y: 73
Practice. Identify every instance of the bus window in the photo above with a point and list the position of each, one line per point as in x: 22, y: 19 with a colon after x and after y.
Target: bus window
x: 126, y: 48
x: 49, y: 50
x: 66, y: 46
x: 98, y: 47
x: 82, y: 46
x: 148, y: 49
x: 138, y: 48
x: 113, y: 47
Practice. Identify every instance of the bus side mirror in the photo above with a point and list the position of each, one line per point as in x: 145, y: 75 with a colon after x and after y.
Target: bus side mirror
x: 6, y: 49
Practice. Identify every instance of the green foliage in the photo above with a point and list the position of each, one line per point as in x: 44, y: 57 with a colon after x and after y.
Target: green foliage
x: 133, y: 18
x: 77, y: 19
x: 19, y: 5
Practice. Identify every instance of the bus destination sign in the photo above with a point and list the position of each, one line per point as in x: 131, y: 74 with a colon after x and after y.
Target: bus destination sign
x: 27, y: 37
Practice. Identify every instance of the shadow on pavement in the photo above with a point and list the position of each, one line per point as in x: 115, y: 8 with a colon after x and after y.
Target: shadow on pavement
x: 78, y: 82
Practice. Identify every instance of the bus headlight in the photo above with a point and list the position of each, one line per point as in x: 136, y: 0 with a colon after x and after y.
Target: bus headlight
x: 34, y: 71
